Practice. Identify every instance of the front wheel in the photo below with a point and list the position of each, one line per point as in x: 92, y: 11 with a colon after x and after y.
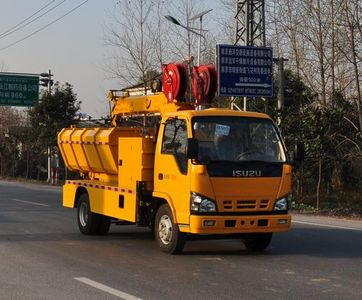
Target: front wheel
x: 168, y: 236
x: 90, y: 223
x: 257, y: 242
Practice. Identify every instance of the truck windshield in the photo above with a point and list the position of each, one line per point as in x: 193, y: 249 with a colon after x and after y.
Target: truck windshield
x: 224, y: 138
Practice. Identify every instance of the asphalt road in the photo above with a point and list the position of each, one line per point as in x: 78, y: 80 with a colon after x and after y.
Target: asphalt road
x: 43, y: 256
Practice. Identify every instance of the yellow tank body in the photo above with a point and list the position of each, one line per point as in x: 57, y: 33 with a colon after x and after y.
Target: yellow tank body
x: 114, y: 159
x: 93, y: 149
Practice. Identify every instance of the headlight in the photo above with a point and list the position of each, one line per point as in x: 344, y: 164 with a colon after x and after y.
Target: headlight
x: 202, y: 204
x: 283, y: 203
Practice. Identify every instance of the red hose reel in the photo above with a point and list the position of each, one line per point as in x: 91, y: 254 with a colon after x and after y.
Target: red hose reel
x: 204, y: 83
x: 175, y: 82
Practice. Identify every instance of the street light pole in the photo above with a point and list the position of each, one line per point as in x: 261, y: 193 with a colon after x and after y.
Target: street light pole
x: 199, y: 16
x: 189, y: 31
x: 197, y: 31
x: 176, y: 22
x: 199, y: 48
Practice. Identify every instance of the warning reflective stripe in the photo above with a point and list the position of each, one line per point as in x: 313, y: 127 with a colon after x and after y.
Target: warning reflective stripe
x: 83, y: 143
x: 102, y: 187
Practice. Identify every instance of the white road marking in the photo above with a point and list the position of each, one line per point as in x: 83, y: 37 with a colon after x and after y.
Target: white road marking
x: 326, y: 225
x: 30, y: 202
x: 106, y: 289
x: 211, y: 258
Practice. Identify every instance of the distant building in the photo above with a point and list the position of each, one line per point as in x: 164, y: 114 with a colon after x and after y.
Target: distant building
x: 83, y: 116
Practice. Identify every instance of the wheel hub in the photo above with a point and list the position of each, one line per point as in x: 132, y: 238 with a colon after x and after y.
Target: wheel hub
x: 165, y: 229
x: 83, y: 214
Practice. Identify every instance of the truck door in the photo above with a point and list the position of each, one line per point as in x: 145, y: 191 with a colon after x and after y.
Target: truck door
x: 171, y: 168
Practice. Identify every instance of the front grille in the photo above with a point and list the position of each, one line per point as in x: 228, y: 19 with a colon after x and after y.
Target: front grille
x: 245, y: 205
x: 264, y: 204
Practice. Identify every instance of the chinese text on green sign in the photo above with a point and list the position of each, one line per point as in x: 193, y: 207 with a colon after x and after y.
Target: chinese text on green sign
x: 19, y: 90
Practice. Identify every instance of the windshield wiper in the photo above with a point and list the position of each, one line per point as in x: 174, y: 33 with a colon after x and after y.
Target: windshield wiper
x: 212, y: 161
x: 259, y: 161
x: 225, y: 161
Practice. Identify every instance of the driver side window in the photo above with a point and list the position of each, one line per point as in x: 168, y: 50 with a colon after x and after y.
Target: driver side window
x: 174, y: 142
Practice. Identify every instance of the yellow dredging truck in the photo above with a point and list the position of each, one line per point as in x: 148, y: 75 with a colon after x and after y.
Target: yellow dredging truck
x: 181, y: 168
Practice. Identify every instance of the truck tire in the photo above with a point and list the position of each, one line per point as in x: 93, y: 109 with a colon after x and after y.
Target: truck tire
x: 104, y: 224
x: 90, y: 223
x: 167, y: 234
x: 257, y: 242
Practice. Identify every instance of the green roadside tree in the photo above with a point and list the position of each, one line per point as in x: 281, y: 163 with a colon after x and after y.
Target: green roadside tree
x: 9, y: 152
x: 53, y: 112
x: 331, y: 138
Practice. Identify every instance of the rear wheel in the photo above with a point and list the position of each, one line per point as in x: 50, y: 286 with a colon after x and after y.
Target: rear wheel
x: 168, y: 236
x: 257, y: 241
x: 88, y: 222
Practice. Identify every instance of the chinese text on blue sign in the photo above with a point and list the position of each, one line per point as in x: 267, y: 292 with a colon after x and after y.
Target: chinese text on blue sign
x: 18, y: 90
x: 245, y: 71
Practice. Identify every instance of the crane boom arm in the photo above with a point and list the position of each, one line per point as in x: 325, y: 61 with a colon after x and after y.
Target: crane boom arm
x: 157, y: 103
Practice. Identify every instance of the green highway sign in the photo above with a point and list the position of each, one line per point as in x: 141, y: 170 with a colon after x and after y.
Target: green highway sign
x: 19, y: 90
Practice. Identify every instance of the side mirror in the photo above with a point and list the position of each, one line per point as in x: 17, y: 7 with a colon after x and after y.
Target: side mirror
x: 192, y: 148
x: 299, y: 152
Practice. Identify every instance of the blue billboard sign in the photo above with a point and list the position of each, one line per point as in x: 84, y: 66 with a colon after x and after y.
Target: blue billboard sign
x: 245, y: 71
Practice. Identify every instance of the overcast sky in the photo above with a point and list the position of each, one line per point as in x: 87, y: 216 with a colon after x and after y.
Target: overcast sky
x: 73, y: 47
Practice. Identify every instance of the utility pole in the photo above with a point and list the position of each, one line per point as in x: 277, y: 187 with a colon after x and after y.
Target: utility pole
x: 280, y: 63
x: 46, y: 80
x: 249, y: 28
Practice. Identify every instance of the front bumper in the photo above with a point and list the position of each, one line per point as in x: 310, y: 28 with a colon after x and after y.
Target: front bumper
x: 236, y: 224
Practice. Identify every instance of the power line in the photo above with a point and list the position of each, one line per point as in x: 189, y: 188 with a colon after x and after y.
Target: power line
x: 44, y: 27
x: 17, y: 28
x: 45, y: 6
